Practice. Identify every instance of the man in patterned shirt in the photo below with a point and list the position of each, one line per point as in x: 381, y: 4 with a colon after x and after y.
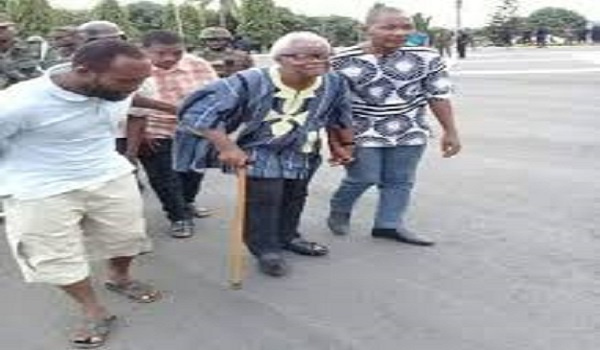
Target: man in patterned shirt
x: 392, y: 85
x: 175, y: 75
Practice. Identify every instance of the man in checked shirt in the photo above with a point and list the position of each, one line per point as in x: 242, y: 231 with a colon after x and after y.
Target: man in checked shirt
x: 175, y: 74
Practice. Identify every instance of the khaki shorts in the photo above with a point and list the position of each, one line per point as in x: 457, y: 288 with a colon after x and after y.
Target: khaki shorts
x: 54, y: 238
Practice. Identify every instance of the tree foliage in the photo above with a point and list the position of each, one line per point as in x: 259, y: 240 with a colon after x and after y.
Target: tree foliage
x: 64, y: 17
x: 259, y: 21
x: 502, y: 23
x: 422, y: 23
x: 194, y: 21
x: 291, y: 22
x: 146, y: 15
x: 34, y: 17
x: 557, y: 20
x: 341, y: 31
x: 110, y: 10
x: 228, y: 11
x: 170, y: 17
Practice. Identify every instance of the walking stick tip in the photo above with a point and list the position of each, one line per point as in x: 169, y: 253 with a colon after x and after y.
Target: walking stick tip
x: 235, y: 285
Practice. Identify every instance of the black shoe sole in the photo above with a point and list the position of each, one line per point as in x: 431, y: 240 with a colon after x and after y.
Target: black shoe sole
x: 406, y: 241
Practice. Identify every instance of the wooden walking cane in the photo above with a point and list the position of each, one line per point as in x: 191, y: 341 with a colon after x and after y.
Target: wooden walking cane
x: 236, y: 245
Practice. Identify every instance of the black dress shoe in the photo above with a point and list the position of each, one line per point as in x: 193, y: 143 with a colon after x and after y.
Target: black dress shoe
x: 403, y: 236
x: 272, y: 264
x: 301, y: 246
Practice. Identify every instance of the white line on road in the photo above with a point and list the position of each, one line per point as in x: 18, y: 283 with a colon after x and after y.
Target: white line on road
x: 528, y: 71
x: 523, y: 60
x: 593, y: 57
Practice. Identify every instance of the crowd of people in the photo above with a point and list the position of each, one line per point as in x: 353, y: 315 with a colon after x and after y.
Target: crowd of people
x: 75, y: 125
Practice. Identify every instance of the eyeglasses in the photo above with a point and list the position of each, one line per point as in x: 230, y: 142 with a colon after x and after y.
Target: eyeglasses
x: 308, y: 57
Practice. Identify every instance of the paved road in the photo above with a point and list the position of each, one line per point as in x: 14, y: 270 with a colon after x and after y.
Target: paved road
x: 516, y: 268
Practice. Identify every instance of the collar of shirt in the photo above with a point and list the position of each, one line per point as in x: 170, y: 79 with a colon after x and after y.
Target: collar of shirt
x: 287, y: 92
x: 59, y: 91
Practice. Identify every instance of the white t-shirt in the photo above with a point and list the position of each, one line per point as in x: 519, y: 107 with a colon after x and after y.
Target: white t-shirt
x: 54, y: 141
x: 121, y: 130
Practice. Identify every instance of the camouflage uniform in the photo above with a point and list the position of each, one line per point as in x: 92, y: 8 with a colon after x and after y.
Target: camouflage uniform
x: 226, y: 61
x: 53, y: 58
x: 64, y: 42
x: 18, y: 64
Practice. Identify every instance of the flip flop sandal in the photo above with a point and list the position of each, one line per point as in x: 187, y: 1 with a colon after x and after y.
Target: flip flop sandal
x: 304, y: 247
x: 97, y: 332
x: 135, y: 290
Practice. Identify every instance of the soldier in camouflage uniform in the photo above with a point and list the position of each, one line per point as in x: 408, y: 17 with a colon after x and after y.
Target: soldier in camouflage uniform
x: 98, y: 30
x: 17, y: 61
x: 64, y: 42
x: 219, y: 52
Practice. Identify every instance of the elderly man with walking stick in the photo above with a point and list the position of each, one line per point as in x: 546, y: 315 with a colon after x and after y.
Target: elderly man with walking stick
x: 278, y: 114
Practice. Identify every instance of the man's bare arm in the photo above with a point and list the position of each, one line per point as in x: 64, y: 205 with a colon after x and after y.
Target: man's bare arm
x: 150, y: 103
x: 442, y: 109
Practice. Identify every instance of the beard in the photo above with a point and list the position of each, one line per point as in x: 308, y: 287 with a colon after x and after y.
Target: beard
x: 107, y: 94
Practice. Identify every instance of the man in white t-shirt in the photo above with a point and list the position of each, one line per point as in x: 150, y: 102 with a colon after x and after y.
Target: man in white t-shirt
x: 72, y: 197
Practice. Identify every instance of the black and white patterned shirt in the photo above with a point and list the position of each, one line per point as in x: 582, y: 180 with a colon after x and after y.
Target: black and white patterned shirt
x: 390, y: 93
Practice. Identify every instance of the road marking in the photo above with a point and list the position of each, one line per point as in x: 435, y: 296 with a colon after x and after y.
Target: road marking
x: 528, y: 71
x: 571, y: 59
x: 593, y: 57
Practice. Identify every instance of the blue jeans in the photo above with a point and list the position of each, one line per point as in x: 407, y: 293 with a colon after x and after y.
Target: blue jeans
x: 393, y: 170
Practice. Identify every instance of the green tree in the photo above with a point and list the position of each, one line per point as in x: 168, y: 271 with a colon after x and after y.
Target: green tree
x: 291, y: 22
x: 259, y: 21
x: 339, y: 30
x: 110, y: 10
x: 502, y: 23
x: 211, y: 18
x: 557, y: 20
x: 228, y: 11
x: 422, y: 23
x: 64, y: 17
x: 146, y: 15
x: 193, y: 21
x: 33, y: 17
x: 169, y: 20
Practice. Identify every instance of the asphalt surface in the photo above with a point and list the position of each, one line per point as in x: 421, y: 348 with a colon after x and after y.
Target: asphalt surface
x: 515, y: 216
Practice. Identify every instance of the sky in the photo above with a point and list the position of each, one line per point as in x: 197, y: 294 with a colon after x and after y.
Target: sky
x: 475, y: 13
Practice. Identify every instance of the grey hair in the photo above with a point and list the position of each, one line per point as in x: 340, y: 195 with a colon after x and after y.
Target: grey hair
x: 378, y: 11
x: 283, y: 44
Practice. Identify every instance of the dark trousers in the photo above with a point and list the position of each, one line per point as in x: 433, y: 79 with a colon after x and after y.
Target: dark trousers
x: 175, y: 190
x: 273, y: 211
x: 462, y: 50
